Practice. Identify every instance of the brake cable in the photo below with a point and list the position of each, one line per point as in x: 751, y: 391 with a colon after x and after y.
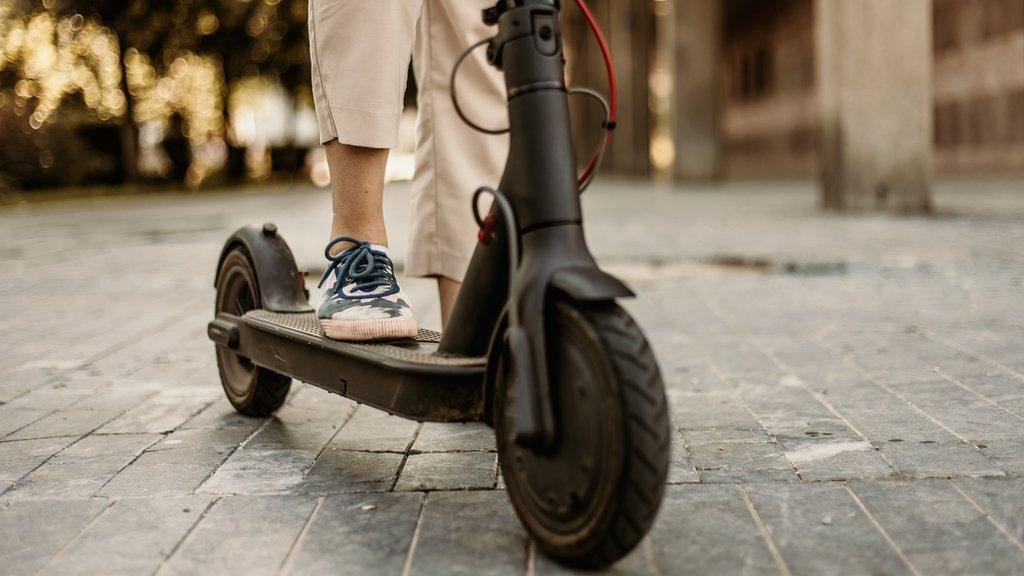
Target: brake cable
x: 610, y: 106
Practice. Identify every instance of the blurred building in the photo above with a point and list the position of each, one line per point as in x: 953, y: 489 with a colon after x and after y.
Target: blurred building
x: 979, y: 84
x: 872, y: 96
x: 770, y: 119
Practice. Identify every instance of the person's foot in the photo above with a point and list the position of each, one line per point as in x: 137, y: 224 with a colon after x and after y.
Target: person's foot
x: 365, y: 302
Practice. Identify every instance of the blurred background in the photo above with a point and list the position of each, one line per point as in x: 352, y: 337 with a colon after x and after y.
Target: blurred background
x: 872, y: 98
x: 820, y: 204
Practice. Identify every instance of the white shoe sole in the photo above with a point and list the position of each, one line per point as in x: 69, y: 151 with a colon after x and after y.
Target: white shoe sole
x: 363, y: 330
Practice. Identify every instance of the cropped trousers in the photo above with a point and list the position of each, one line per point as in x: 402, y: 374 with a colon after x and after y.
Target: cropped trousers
x: 360, y: 52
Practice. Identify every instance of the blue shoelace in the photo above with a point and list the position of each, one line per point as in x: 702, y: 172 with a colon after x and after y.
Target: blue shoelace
x: 369, y: 270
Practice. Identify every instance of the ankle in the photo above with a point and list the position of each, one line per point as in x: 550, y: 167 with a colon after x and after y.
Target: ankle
x: 364, y: 235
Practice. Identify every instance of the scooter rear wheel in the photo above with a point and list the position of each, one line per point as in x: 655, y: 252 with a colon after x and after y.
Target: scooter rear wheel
x: 252, y: 390
x: 591, y: 500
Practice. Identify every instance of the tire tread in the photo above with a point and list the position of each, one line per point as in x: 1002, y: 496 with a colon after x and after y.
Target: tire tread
x: 271, y: 392
x: 647, y: 431
x: 270, y: 388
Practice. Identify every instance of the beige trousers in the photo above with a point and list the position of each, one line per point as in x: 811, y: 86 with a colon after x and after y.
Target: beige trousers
x: 360, y: 51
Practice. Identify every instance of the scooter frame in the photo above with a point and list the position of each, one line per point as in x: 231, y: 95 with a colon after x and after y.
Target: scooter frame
x: 540, y: 182
x: 535, y: 346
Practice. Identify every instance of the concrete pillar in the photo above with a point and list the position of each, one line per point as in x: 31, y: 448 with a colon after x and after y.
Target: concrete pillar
x: 627, y: 26
x: 874, y: 76
x: 697, y: 101
x: 629, y: 30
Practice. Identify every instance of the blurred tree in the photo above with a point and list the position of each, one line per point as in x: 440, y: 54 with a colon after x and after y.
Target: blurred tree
x: 29, y: 157
x: 48, y: 62
x: 249, y: 37
x: 157, y: 57
x: 254, y: 38
x: 127, y: 20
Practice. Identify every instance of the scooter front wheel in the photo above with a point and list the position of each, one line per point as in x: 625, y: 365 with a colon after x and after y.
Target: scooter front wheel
x: 251, y: 389
x: 593, y: 498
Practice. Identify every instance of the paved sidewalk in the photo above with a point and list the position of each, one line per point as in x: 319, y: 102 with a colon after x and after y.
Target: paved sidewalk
x: 847, y: 392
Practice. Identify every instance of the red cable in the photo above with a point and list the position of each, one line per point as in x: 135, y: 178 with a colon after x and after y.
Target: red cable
x: 613, y: 88
x: 486, y: 231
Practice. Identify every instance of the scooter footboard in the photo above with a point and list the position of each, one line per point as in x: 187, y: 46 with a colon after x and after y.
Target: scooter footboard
x: 407, y: 378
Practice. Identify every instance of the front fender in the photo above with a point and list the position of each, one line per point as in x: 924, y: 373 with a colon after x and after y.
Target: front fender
x: 580, y: 283
x: 589, y: 284
x: 281, y: 288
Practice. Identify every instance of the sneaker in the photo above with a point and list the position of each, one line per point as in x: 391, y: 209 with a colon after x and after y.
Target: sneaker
x: 365, y: 302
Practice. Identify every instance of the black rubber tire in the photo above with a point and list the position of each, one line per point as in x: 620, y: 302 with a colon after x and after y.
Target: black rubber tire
x: 637, y: 436
x: 252, y: 390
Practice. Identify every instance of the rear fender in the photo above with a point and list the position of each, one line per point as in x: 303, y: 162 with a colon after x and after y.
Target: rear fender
x: 281, y: 285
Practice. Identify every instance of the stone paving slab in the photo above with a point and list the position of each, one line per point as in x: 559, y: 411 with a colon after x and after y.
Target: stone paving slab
x: 449, y: 471
x: 267, y: 471
x: 478, y: 527
x: 637, y: 563
x: 706, y: 529
x: 13, y: 418
x: 243, y: 535
x: 129, y: 537
x: 473, y: 437
x: 836, y: 458
x: 161, y: 414
x: 351, y: 471
x: 682, y: 469
x: 20, y: 458
x: 1001, y: 499
x: 358, y: 534
x: 374, y: 431
x: 818, y: 527
x: 938, y: 530
x: 939, y: 460
x: 851, y: 403
x: 32, y: 532
x: 739, y: 456
x: 83, y: 468
x: 77, y: 420
x: 177, y: 465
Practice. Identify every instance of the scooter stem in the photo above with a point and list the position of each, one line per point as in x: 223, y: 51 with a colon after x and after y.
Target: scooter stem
x: 541, y: 184
x: 539, y: 176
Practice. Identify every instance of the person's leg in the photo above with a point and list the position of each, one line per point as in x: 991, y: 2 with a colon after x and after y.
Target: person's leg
x: 357, y: 193
x: 360, y: 53
x: 452, y: 160
x: 448, y: 290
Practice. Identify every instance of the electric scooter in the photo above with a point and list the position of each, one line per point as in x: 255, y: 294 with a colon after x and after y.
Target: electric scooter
x: 536, y: 345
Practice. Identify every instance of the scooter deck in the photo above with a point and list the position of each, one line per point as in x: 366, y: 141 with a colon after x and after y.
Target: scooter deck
x: 405, y: 377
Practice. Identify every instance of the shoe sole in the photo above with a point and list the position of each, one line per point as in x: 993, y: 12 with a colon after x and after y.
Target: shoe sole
x: 364, y: 330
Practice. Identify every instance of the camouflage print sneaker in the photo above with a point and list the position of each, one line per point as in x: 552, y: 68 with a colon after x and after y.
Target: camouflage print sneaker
x: 365, y: 302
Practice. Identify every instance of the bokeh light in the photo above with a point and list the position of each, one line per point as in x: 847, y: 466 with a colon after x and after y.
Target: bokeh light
x: 74, y: 74
x: 59, y: 57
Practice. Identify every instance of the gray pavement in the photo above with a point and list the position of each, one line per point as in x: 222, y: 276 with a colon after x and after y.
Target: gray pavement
x: 847, y: 394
